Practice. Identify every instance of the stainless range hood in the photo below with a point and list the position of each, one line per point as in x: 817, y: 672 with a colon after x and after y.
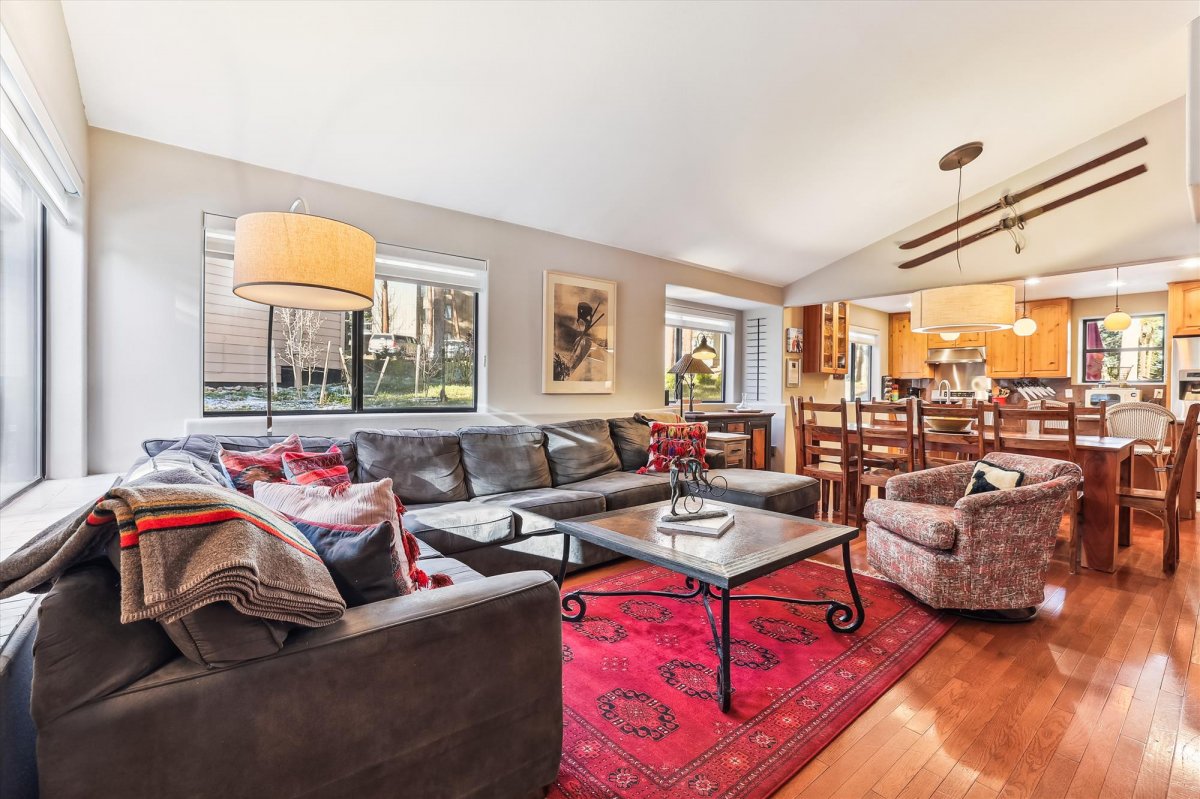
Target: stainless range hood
x: 957, y: 355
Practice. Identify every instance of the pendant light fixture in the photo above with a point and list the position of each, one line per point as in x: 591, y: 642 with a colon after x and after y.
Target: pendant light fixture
x: 949, y: 336
x: 1117, y: 320
x: 1024, y: 326
x: 978, y: 308
x: 704, y: 351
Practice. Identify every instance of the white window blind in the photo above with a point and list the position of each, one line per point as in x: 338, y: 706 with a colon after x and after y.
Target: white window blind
x: 28, y: 134
x: 696, y: 319
x: 430, y: 268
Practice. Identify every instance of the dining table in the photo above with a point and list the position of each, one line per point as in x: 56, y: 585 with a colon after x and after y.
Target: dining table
x: 1106, y: 462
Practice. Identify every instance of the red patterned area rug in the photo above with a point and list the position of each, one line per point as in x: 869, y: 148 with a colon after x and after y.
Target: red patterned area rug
x: 639, y: 683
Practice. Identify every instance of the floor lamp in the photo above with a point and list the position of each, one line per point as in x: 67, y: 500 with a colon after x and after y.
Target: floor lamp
x: 295, y: 260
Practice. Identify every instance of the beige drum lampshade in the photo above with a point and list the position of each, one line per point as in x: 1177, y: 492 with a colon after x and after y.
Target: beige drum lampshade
x: 303, y: 261
x: 979, y: 308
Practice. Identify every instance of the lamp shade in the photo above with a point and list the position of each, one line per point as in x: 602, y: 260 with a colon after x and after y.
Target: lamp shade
x: 303, y: 261
x: 704, y: 350
x: 978, y: 308
x: 1117, y: 320
x: 690, y: 365
x: 1025, y: 326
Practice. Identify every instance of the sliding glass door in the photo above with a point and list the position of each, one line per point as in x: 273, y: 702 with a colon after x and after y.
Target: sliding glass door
x: 21, y: 334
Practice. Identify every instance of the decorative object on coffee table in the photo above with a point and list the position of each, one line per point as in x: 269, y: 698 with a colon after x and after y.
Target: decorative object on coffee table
x: 761, y: 542
x: 296, y: 260
x: 579, y: 321
x: 688, y: 506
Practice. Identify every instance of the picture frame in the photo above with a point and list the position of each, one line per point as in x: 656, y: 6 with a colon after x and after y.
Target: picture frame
x: 793, y: 373
x: 579, y: 328
x: 795, y: 340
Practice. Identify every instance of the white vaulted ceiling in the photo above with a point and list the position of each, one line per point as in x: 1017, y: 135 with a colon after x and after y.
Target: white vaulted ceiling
x: 765, y: 139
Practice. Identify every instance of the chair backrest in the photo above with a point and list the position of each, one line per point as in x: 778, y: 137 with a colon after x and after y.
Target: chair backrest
x: 1145, y: 421
x: 1179, y: 454
x: 971, y: 441
x: 1063, y: 430
x: 898, y: 429
x: 815, y: 440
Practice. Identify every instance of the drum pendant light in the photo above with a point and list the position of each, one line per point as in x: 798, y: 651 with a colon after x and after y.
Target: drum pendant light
x: 1024, y: 326
x: 1117, y: 320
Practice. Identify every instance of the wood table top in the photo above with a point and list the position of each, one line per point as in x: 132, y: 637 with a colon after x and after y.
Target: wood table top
x: 759, y: 542
x: 1097, y: 443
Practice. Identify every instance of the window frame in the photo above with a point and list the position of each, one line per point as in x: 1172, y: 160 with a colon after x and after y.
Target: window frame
x: 1084, y: 350
x: 357, y: 359
x: 677, y: 346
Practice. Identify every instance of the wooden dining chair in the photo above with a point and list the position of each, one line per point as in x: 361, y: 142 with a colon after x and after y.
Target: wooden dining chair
x: 823, y: 451
x: 1161, y: 503
x: 889, y: 442
x: 963, y: 443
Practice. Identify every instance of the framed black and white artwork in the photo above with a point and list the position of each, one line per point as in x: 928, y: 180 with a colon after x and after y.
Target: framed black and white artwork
x: 579, y: 326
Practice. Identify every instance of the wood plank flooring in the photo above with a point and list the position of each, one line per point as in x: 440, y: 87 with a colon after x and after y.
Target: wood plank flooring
x: 1098, y: 697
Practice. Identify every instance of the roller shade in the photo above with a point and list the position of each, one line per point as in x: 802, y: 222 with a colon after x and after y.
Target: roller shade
x: 696, y: 319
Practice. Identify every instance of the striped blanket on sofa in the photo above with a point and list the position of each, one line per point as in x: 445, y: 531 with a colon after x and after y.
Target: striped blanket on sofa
x: 186, y: 545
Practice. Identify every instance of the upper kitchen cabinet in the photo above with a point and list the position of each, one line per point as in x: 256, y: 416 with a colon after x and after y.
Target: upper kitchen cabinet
x: 1044, y: 354
x: 963, y: 340
x: 1183, y: 308
x: 826, y: 338
x: 907, y: 350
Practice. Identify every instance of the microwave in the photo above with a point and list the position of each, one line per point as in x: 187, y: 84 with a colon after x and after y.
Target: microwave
x: 1112, y: 395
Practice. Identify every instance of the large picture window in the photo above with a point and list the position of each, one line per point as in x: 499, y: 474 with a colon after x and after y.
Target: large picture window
x: 685, y: 330
x: 413, y: 350
x: 1136, y: 354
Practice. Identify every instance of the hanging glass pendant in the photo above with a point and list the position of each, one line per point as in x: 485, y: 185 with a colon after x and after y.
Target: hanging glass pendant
x: 1024, y: 326
x: 1117, y: 320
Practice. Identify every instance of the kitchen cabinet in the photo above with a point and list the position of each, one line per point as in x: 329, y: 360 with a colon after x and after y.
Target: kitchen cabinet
x: 936, y: 342
x: 907, y: 350
x: 1044, y: 354
x: 1183, y: 308
x: 826, y: 338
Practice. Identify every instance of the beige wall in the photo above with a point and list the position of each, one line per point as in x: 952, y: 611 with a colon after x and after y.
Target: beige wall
x: 1146, y: 218
x: 39, y: 35
x: 145, y: 260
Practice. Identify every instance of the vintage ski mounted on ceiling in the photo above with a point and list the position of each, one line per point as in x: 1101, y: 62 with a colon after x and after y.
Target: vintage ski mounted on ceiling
x: 961, y: 156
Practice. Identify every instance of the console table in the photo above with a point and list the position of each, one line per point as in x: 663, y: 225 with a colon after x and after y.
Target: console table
x: 755, y: 425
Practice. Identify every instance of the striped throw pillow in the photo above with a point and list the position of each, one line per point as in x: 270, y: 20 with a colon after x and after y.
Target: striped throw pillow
x: 265, y: 466
x: 316, y: 468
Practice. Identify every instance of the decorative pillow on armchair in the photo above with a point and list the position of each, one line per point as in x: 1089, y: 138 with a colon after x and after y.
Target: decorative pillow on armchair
x: 266, y: 465
x: 670, y: 440
x: 990, y: 477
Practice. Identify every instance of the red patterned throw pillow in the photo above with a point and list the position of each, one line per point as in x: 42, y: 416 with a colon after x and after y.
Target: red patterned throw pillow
x: 671, y: 440
x: 316, y: 468
x: 266, y: 465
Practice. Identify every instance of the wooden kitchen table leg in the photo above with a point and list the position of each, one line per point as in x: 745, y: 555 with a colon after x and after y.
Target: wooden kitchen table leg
x: 1102, y: 472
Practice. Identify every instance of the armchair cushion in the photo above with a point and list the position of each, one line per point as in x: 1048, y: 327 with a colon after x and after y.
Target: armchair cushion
x: 928, y: 525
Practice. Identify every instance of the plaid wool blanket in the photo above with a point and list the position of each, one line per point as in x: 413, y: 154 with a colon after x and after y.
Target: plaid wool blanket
x: 186, y: 545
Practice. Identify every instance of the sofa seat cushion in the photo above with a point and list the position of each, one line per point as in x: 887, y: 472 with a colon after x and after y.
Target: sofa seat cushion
x: 579, y: 450
x: 458, y: 526
x: 425, y: 465
x: 499, y: 460
x: 456, y: 570
x: 553, y: 503
x: 928, y: 525
x: 774, y: 491
x: 626, y: 489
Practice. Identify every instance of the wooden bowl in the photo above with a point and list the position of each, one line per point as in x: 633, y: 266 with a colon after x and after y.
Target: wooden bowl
x: 948, y: 425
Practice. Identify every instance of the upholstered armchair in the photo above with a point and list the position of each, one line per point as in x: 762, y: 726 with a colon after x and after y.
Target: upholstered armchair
x: 985, y: 554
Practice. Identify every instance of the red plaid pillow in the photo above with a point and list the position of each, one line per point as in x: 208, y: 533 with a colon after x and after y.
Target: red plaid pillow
x: 266, y: 465
x: 316, y: 468
x: 671, y: 440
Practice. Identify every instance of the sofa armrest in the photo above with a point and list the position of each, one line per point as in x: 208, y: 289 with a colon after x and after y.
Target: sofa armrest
x: 451, y: 692
x: 942, y: 485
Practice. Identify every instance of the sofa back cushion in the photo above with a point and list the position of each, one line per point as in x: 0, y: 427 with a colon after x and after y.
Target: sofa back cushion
x: 425, y: 466
x: 500, y: 459
x: 631, y: 437
x: 209, y: 447
x: 579, y: 450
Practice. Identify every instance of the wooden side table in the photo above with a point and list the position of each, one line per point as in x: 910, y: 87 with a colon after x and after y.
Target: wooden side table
x: 733, y: 445
x: 755, y: 425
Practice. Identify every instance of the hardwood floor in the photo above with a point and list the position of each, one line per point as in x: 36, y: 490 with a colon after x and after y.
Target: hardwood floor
x: 1098, y: 697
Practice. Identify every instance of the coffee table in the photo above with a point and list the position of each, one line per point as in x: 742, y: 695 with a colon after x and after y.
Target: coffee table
x: 759, y: 543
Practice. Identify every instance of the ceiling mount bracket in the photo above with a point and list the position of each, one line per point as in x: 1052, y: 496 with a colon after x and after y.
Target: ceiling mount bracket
x: 960, y: 156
